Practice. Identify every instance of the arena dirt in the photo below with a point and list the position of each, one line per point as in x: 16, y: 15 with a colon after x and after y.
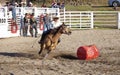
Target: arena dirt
x: 17, y: 57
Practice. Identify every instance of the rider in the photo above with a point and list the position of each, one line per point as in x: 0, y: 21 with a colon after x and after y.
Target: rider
x: 56, y: 22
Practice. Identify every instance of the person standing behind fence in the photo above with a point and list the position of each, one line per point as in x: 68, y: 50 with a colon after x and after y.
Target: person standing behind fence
x: 14, y: 5
x: 47, y: 22
x: 26, y: 23
x: 21, y: 25
x: 33, y: 25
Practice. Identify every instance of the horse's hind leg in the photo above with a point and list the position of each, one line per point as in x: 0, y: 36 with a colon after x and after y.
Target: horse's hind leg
x: 47, y: 54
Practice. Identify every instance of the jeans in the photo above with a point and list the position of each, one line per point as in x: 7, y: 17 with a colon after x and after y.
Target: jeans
x: 31, y: 30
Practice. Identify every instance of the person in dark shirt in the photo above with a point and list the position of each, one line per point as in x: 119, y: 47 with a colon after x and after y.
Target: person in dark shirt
x: 26, y: 24
x: 33, y: 25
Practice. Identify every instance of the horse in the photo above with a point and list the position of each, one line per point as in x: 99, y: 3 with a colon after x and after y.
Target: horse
x: 50, y: 41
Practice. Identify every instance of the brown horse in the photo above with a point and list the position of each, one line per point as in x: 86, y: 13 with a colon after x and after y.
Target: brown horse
x: 51, y: 39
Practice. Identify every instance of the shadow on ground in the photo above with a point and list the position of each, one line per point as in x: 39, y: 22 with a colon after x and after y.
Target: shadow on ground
x: 26, y: 55
x: 36, y: 56
x: 66, y: 56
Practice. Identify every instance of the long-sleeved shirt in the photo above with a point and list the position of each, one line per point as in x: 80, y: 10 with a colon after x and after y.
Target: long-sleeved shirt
x: 56, y: 24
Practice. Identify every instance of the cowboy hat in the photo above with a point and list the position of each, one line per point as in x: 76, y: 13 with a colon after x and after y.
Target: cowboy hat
x: 55, y: 17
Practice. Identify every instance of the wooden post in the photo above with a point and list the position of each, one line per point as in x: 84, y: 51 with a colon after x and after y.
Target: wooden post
x: 118, y: 20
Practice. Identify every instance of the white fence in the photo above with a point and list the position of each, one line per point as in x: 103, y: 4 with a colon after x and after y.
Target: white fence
x: 91, y: 19
x: 78, y: 19
x: 106, y: 19
x: 119, y: 20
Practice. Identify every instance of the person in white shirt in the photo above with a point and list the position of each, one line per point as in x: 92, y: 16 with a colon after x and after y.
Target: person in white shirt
x: 56, y: 22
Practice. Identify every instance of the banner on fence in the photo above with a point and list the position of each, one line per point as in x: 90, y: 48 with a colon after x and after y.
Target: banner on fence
x: 9, y: 29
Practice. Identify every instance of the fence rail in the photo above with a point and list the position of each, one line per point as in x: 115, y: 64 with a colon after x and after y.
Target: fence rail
x: 105, y: 19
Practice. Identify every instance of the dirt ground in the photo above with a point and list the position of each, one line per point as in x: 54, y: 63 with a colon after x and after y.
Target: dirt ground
x: 17, y: 57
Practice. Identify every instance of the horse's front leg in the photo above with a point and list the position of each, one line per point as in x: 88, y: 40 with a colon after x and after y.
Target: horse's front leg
x: 41, y: 49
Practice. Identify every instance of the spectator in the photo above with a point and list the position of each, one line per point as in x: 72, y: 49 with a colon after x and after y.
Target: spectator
x: 58, y: 5
x: 30, y: 4
x: 47, y: 21
x: 43, y: 6
x: 21, y: 4
x: 16, y: 4
x: 6, y: 4
x: 33, y: 25
x: 24, y: 4
x: 54, y: 5
x: 11, y: 7
x: 26, y: 23
x: 21, y: 25
x: 14, y: 11
x: 62, y: 5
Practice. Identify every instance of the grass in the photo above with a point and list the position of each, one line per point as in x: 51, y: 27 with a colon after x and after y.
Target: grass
x: 78, y: 8
x: 90, y: 8
x: 83, y: 5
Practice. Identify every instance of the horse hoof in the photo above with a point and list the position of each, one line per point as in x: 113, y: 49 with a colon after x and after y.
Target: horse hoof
x: 39, y: 53
x: 39, y: 42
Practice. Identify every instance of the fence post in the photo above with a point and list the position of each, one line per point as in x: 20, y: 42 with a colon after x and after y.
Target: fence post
x: 70, y: 18
x: 92, y: 20
x: 64, y: 14
x: 118, y: 20
x: 35, y: 12
x: 57, y: 13
x: 80, y: 21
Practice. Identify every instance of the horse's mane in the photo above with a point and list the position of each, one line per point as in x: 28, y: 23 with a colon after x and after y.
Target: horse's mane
x: 55, y: 30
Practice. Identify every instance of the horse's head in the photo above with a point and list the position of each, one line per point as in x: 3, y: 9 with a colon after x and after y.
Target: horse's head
x: 65, y: 30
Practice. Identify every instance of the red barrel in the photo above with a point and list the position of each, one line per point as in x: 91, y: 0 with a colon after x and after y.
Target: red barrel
x: 87, y: 52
